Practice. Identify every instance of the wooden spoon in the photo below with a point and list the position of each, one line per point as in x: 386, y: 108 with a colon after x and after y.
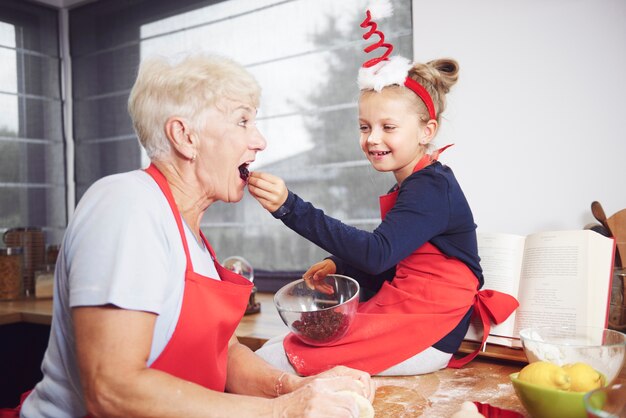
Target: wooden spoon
x: 617, y: 223
x: 598, y: 213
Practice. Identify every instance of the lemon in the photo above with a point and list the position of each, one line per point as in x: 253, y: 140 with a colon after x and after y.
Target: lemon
x: 583, y: 377
x: 545, y: 374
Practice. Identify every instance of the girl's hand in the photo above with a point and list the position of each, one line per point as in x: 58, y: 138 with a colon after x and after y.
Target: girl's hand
x: 268, y: 189
x: 314, y: 276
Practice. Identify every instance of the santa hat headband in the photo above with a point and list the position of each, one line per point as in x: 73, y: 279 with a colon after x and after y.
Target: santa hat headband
x: 381, y: 71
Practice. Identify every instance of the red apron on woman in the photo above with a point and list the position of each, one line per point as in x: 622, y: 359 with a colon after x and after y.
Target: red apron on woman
x: 210, y: 312
x: 426, y: 300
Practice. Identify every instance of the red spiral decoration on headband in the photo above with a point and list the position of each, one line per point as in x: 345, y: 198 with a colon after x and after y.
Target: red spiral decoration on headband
x: 373, y: 30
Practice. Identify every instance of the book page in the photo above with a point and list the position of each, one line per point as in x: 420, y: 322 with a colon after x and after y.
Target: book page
x: 554, y: 285
x: 600, y: 279
x: 501, y: 261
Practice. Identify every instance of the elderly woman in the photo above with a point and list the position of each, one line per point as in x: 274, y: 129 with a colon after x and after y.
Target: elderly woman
x: 144, y: 315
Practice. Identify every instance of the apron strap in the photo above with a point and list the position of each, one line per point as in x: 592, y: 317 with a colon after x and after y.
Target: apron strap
x: 435, y: 155
x: 165, y: 188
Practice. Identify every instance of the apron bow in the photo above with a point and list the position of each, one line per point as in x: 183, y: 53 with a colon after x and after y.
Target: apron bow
x: 498, y: 305
x: 490, y: 306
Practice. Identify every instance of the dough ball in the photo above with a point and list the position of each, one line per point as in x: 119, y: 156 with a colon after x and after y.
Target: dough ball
x: 366, y: 410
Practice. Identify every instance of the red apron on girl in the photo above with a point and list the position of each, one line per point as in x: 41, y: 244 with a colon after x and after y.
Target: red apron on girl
x: 427, y: 299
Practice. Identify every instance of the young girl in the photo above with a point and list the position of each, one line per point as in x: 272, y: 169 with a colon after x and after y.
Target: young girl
x: 421, y: 263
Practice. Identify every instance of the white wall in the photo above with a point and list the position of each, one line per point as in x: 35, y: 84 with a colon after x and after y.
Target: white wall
x: 538, y: 115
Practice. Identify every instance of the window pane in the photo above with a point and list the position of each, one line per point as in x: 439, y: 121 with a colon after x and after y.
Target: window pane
x: 33, y: 118
x: 97, y: 119
x: 111, y: 71
x: 94, y: 158
x: 32, y: 153
x: 7, y: 35
x: 38, y: 74
x: 41, y: 75
x: 34, y: 27
x: 32, y: 162
x: 34, y: 206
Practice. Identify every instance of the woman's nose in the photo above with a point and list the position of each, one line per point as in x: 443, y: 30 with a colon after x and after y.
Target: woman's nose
x: 258, y: 143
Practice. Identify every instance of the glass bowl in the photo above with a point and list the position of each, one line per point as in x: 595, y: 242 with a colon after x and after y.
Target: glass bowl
x: 601, y: 348
x: 607, y: 402
x: 315, y: 317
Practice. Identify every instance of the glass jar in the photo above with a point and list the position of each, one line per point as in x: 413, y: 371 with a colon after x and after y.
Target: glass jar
x: 44, y: 282
x: 11, y: 273
x: 32, y: 241
x: 52, y: 252
x: 617, y: 310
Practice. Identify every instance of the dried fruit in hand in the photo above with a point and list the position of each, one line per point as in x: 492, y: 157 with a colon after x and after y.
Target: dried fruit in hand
x: 243, y: 172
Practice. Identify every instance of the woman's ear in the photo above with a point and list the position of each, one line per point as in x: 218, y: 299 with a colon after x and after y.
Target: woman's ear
x: 429, y: 131
x: 178, y: 133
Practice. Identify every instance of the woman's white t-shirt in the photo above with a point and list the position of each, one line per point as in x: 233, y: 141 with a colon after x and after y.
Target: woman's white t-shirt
x: 122, y: 247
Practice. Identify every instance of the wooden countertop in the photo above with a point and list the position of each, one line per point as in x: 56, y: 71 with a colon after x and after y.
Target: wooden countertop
x: 439, y: 394
x: 33, y: 311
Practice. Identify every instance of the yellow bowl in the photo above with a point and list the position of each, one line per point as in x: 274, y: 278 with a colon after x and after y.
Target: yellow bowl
x: 542, y: 402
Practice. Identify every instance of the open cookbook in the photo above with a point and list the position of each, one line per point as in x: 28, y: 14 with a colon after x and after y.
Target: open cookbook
x: 560, y: 278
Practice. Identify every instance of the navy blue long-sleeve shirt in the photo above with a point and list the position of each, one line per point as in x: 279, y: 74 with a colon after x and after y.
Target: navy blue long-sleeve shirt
x: 431, y: 207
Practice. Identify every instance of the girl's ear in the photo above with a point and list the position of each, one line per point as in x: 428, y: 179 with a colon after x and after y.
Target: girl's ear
x: 179, y: 134
x: 429, y: 131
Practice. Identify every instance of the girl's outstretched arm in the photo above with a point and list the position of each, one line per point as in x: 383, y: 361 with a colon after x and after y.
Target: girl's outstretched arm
x: 420, y: 213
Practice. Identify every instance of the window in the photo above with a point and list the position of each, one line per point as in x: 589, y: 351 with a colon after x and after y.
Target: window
x: 32, y: 159
x: 305, y: 54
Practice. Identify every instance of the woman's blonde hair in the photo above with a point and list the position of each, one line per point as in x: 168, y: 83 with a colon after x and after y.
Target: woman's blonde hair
x: 185, y: 88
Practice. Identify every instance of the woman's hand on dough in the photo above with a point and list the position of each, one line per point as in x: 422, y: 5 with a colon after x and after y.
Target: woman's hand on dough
x: 346, y: 378
x: 326, y: 395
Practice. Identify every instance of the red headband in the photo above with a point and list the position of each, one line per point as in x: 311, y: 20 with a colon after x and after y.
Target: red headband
x: 423, y: 94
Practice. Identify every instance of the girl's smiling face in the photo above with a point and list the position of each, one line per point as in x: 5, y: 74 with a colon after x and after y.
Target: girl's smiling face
x: 393, y: 137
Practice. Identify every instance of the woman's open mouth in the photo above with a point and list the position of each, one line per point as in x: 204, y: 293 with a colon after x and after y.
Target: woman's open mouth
x: 243, y: 172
